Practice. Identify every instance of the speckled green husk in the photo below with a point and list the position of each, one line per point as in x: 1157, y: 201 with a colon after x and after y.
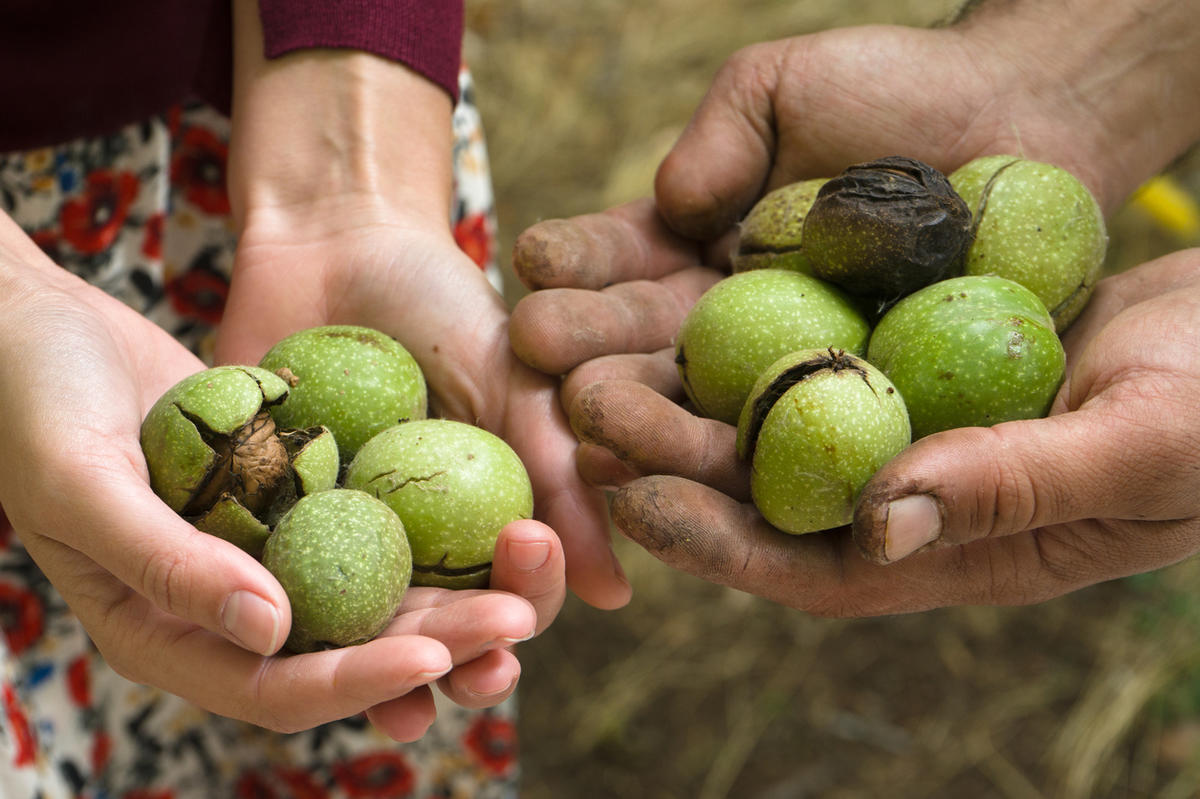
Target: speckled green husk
x: 1037, y: 224
x: 206, y: 411
x: 229, y: 519
x: 975, y: 350
x: 748, y: 320
x: 344, y: 561
x: 316, y: 461
x: 218, y: 401
x: 354, y: 380
x: 454, y: 486
x: 821, y: 440
x: 770, y: 236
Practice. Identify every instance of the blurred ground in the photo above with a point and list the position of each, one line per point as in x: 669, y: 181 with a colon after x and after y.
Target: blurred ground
x: 696, y: 691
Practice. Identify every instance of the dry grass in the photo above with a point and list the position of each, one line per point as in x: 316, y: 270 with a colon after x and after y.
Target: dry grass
x: 696, y: 691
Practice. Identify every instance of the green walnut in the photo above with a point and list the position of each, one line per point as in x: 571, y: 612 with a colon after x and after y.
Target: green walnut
x: 354, y: 380
x: 745, y: 322
x: 344, y: 561
x: 770, y: 236
x: 454, y: 486
x: 1037, y: 224
x: 818, y: 425
x: 885, y: 228
x: 975, y: 350
x: 216, y: 457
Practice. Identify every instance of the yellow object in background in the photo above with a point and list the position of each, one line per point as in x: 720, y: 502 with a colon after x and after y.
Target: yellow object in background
x: 1172, y: 207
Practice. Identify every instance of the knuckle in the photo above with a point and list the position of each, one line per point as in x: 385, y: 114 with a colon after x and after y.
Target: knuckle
x: 261, y: 707
x: 1000, y: 498
x: 748, y: 72
x: 163, y: 580
x: 125, y: 666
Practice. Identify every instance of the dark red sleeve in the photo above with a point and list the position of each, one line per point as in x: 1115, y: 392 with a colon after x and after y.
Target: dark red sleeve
x: 425, y: 35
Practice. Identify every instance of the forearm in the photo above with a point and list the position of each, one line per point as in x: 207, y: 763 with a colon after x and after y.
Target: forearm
x: 1124, y: 77
x: 318, y: 132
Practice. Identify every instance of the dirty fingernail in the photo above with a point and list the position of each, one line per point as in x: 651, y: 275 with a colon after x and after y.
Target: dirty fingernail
x: 912, y: 522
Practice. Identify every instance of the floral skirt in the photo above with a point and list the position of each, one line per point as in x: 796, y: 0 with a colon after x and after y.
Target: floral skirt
x: 143, y: 214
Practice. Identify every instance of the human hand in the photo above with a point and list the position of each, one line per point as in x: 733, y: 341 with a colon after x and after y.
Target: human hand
x: 1022, y: 512
x: 780, y: 112
x: 402, y: 282
x: 184, y: 611
x: 1102, y: 92
x: 1005, y: 79
x: 348, y: 222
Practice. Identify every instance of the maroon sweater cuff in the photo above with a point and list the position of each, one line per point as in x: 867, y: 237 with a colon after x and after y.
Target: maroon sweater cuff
x: 425, y: 35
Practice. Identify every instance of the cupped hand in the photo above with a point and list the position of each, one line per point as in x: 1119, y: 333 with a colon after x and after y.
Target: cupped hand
x: 808, y: 106
x: 611, y: 289
x: 412, y: 282
x: 1021, y: 512
x: 615, y: 285
x: 186, y: 612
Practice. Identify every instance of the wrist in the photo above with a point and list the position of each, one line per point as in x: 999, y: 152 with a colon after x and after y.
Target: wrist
x: 25, y: 271
x: 1115, y: 83
x: 320, y: 136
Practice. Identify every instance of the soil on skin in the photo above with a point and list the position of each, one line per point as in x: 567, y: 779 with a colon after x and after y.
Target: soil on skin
x: 694, y: 690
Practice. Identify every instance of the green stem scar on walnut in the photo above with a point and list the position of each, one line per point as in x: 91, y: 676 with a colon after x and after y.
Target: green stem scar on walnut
x: 216, y: 457
x: 818, y: 425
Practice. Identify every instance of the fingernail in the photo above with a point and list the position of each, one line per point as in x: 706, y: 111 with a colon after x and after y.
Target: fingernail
x: 426, y: 677
x: 505, y: 641
x: 505, y: 689
x: 528, y: 556
x: 912, y: 522
x: 251, y: 621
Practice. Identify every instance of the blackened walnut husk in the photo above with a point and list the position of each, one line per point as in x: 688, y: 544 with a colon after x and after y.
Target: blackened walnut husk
x: 885, y: 228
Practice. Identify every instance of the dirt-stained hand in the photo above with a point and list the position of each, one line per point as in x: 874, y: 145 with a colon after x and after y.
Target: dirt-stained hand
x: 1104, y: 487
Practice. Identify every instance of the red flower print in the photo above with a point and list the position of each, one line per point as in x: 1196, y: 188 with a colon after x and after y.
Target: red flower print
x: 198, y: 294
x: 101, y: 749
x: 79, y: 682
x: 493, y: 742
x: 22, y: 733
x: 148, y: 793
x: 198, y: 166
x: 174, y: 118
x: 47, y: 240
x: 297, y: 784
x: 473, y: 236
x: 301, y: 784
x: 5, y: 530
x: 21, y: 617
x: 91, y: 223
x: 152, y: 243
x: 377, y: 775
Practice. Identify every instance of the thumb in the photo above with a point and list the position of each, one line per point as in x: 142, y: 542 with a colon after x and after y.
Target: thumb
x: 132, y: 535
x: 719, y: 166
x: 972, y: 483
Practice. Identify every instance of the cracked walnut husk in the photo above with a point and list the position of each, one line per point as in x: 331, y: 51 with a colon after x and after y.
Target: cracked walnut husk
x: 216, y: 457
